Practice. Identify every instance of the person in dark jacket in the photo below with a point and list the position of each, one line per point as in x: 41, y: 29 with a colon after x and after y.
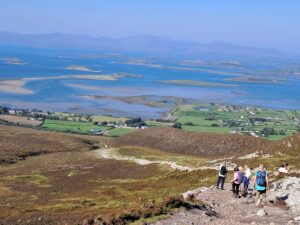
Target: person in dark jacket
x: 222, y: 175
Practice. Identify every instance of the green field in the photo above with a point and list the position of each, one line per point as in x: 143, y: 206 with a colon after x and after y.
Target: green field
x: 109, y: 119
x: 198, y: 121
x: 208, y: 117
x: 117, y: 132
x: 84, y: 118
x: 225, y: 118
x: 72, y: 126
x: 153, y: 123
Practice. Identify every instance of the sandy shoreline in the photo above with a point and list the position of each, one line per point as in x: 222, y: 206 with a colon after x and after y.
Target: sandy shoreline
x: 17, y: 86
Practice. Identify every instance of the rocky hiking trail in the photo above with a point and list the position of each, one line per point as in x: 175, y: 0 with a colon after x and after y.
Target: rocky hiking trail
x: 228, y: 210
x: 281, y: 207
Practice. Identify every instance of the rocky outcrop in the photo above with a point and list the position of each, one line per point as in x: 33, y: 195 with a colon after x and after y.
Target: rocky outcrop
x: 287, y: 190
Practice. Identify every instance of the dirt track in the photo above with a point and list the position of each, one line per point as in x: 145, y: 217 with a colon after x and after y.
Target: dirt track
x: 110, y: 154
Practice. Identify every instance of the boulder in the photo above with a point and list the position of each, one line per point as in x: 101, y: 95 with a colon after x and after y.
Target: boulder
x: 193, y: 193
x: 261, y: 213
x: 287, y: 190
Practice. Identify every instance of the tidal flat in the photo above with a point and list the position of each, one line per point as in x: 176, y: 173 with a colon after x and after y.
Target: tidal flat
x: 261, y: 80
x: 17, y: 86
x: 197, y: 83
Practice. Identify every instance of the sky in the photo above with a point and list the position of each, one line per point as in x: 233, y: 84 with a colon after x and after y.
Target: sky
x: 258, y: 23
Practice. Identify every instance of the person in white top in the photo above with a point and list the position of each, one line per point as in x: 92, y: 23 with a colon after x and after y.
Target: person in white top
x: 284, y: 168
x: 247, y: 177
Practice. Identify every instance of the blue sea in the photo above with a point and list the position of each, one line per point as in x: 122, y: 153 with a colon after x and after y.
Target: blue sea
x: 64, y: 94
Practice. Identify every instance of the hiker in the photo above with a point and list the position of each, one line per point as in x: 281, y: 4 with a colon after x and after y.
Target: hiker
x: 247, y: 176
x: 222, y: 175
x: 284, y: 168
x: 236, y: 181
x: 261, y: 183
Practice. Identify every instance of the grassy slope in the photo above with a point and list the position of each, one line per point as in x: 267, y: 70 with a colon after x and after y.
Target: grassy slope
x: 204, y: 144
x: 206, y: 129
x: 69, y: 185
x: 17, y: 143
x: 117, y: 132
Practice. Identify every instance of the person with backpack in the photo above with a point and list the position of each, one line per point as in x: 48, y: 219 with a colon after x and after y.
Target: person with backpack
x: 236, y: 181
x: 261, y: 183
x: 222, y: 175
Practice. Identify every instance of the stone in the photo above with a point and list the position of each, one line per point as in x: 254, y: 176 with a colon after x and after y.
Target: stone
x: 297, y: 219
x: 261, y: 213
x: 194, y: 192
x: 287, y: 190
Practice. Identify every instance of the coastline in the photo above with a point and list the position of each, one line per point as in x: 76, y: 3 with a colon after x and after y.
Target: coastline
x: 17, y: 86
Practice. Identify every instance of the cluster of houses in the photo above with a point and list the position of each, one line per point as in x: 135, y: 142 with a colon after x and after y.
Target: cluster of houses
x: 120, y: 125
x: 33, y: 114
x: 135, y: 123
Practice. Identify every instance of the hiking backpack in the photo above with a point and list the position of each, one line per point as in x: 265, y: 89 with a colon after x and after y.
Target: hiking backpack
x: 240, y: 177
x: 261, y: 178
x: 223, y: 170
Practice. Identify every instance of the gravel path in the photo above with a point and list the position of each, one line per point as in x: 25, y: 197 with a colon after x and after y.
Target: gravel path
x: 110, y: 153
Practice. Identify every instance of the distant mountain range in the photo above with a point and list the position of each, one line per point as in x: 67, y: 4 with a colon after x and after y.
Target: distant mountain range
x: 140, y: 43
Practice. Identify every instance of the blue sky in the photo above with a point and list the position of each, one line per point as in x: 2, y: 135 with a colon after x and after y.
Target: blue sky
x: 260, y: 23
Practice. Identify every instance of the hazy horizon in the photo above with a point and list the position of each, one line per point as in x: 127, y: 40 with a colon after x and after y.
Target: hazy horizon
x: 144, y: 35
x: 267, y: 24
